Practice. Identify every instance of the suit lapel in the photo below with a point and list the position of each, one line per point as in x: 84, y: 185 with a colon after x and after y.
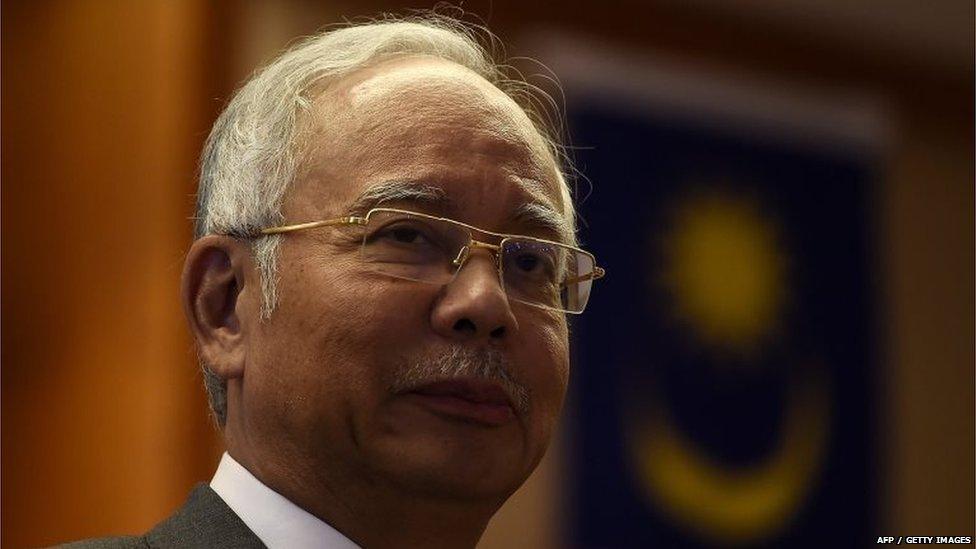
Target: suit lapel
x: 203, y: 521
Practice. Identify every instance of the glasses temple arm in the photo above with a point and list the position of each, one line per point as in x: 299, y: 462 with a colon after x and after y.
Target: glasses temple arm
x: 350, y: 220
x: 598, y: 272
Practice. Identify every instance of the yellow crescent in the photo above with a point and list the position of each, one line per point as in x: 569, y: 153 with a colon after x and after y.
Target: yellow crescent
x: 735, y: 506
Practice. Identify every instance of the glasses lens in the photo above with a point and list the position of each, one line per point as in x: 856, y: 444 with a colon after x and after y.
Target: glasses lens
x: 416, y: 247
x: 547, y: 274
x: 579, y: 281
x: 413, y: 247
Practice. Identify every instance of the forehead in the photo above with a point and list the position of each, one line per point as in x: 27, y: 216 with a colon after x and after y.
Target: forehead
x: 423, y: 121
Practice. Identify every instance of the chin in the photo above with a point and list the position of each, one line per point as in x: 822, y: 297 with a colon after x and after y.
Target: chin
x: 462, y: 482
x: 456, y: 467
x: 428, y: 451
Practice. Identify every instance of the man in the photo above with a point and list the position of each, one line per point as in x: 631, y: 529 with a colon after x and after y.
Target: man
x: 379, y: 291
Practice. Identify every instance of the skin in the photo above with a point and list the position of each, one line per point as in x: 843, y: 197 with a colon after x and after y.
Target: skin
x: 309, y: 409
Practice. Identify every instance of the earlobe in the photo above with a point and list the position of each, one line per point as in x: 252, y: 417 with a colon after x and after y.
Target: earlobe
x: 214, y: 278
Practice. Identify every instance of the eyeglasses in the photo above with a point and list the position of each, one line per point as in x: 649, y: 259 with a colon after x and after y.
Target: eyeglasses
x: 424, y: 248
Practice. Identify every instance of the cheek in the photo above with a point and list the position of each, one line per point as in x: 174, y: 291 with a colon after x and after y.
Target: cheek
x: 337, y: 331
x: 310, y: 353
x: 548, y: 371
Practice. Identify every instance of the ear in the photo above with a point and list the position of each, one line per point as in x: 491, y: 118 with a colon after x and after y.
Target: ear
x: 215, y: 275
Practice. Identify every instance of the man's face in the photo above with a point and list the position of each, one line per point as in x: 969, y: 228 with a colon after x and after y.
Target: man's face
x: 318, y: 387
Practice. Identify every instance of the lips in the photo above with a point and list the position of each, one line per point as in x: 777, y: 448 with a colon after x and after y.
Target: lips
x: 476, y: 401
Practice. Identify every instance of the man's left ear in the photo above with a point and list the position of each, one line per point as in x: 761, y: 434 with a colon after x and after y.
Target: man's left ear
x: 215, y: 289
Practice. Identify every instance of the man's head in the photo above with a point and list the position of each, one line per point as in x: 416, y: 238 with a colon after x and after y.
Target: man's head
x: 319, y: 368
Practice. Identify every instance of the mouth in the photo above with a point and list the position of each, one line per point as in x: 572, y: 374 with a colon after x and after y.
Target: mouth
x: 471, y: 400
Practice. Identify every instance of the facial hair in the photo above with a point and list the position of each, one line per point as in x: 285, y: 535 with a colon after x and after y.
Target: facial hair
x: 458, y: 361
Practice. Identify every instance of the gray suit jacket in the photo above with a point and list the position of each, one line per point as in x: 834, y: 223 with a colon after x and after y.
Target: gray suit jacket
x: 203, y: 521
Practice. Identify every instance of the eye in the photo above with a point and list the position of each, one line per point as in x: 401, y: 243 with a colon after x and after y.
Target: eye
x: 532, y: 259
x: 406, y: 235
x: 527, y: 262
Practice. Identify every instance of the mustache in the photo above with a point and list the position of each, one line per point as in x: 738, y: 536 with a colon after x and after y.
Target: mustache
x: 456, y: 362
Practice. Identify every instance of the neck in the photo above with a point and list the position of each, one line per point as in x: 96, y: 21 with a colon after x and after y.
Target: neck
x: 372, y: 512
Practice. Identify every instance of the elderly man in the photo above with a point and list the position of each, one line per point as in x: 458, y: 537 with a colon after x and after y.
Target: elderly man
x: 379, y: 291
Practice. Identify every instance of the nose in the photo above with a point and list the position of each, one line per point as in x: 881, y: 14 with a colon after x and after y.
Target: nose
x: 473, y: 306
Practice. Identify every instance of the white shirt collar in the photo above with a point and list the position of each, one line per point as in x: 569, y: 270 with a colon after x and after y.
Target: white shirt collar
x: 276, y: 521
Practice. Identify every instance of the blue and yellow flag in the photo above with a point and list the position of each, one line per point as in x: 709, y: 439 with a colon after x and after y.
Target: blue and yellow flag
x: 723, y: 391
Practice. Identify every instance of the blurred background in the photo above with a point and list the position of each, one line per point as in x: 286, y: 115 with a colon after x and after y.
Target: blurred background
x: 781, y: 191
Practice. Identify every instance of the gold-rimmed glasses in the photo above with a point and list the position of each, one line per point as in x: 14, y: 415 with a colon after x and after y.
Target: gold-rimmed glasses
x: 425, y: 248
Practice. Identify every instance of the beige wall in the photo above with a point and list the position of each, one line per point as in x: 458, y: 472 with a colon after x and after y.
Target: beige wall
x: 928, y: 266
x: 104, y: 425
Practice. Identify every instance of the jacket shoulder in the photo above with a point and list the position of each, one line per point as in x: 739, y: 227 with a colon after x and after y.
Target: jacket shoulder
x: 204, y: 521
x: 121, y: 542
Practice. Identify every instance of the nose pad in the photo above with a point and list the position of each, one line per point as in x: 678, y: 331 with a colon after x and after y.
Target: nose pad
x: 471, y: 306
x: 462, y: 256
x: 465, y: 253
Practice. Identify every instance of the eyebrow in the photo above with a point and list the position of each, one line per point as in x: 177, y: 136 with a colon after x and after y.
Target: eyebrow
x: 402, y: 191
x: 543, y: 217
x: 538, y: 215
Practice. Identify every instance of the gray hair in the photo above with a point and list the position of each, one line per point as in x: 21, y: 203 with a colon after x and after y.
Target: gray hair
x: 256, y: 146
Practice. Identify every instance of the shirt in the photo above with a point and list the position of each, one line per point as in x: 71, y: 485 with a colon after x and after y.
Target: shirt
x: 277, y: 522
